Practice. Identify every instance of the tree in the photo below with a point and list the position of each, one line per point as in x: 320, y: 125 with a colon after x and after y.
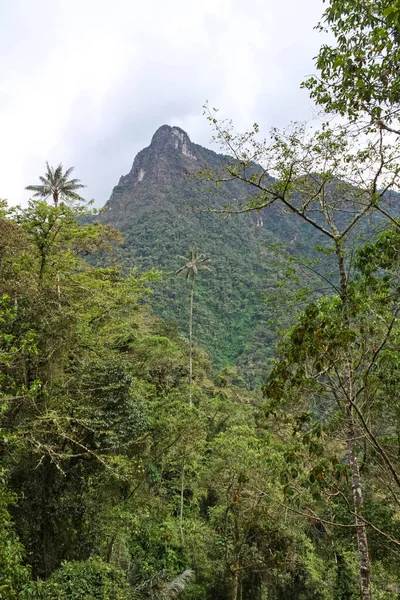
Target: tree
x: 50, y: 414
x: 14, y: 577
x: 332, y: 182
x: 56, y: 183
x: 240, y: 468
x: 359, y: 74
x: 307, y: 383
x: 193, y: 264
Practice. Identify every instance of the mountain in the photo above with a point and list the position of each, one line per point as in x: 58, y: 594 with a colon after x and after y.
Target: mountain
x: 161, y: 207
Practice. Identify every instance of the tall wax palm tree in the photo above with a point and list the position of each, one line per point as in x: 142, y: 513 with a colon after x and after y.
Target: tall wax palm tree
x: 193, y: 264
x: 57, y: 184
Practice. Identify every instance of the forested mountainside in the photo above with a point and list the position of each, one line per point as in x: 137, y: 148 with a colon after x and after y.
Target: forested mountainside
x: 161, y: 207
x: 131, y: 465
x: 134, y: 467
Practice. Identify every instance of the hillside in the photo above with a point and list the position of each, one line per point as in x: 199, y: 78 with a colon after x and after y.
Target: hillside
x: 161, y: 208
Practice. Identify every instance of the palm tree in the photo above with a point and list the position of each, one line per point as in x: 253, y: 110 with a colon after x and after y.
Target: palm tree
x: 193, y: 264
x: 57, y: 184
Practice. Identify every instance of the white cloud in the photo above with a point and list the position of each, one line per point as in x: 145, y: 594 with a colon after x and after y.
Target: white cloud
x: 87, y: 82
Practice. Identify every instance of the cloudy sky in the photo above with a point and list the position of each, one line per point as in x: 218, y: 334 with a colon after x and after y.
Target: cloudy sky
x: 87, y: 82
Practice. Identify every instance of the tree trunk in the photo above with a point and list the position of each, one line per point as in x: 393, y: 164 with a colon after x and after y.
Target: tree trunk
x: 58, y: 288
x: 181, y: 503
x: 348, y: 389
x: 43, y: 258
x: 358, y: 501
x: 235, y: 582
x: 191, y: 344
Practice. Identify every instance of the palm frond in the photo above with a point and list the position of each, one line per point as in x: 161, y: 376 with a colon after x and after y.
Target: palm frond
x: 172, y: 589
x: 71, y: 189
x: 68, y: 173
x: 34, y: 188
x: 56, y: 183
x: 41, y: 191
x: 58, y: 173
x: 181, y: 270
x: 193, y: 264
x: 74, y: 183
x: 49, y: 170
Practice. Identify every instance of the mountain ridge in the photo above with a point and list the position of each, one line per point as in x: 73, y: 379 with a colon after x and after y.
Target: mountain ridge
x: 161, y: 207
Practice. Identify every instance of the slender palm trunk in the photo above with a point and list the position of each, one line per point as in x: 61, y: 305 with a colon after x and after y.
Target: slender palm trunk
x: 182, y: 498
x: 191, y: 344
x: 58, y: 288
x: 357, y: 492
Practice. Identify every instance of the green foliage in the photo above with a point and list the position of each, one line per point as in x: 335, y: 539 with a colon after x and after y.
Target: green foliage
x: 358, y: 73
x: 93, y: 579
x: 164, y: 216
x: 14, y: 576
x: 117, y: 410
x: 330, y: 360
x: 112, y: 484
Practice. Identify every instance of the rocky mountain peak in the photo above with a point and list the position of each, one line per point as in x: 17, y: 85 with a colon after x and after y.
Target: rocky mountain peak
x: 169, y: 157
x: 170, y: 149
x: 168, y: 138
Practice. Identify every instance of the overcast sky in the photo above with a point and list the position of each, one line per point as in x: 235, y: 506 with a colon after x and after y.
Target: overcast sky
x: 87, y: 82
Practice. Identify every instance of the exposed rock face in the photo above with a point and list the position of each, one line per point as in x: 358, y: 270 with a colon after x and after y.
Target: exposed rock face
x: 170, y: 154
x: 166, y: 137
x: 182, y: 142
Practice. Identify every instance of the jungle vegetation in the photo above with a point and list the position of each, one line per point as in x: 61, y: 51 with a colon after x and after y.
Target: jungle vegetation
x: 133, y: 464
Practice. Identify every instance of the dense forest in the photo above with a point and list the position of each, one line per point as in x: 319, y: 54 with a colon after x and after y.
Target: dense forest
x: 223, y: 424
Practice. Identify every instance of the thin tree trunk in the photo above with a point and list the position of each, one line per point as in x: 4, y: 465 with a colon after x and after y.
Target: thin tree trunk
x: 58, y: 289
x: 191, y: 344
x: 181, y: 506
x: 358, y: 501
x: 42, y: 266
x: 357, y: 493
x: 235, y: 582
x: 343, y: 284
